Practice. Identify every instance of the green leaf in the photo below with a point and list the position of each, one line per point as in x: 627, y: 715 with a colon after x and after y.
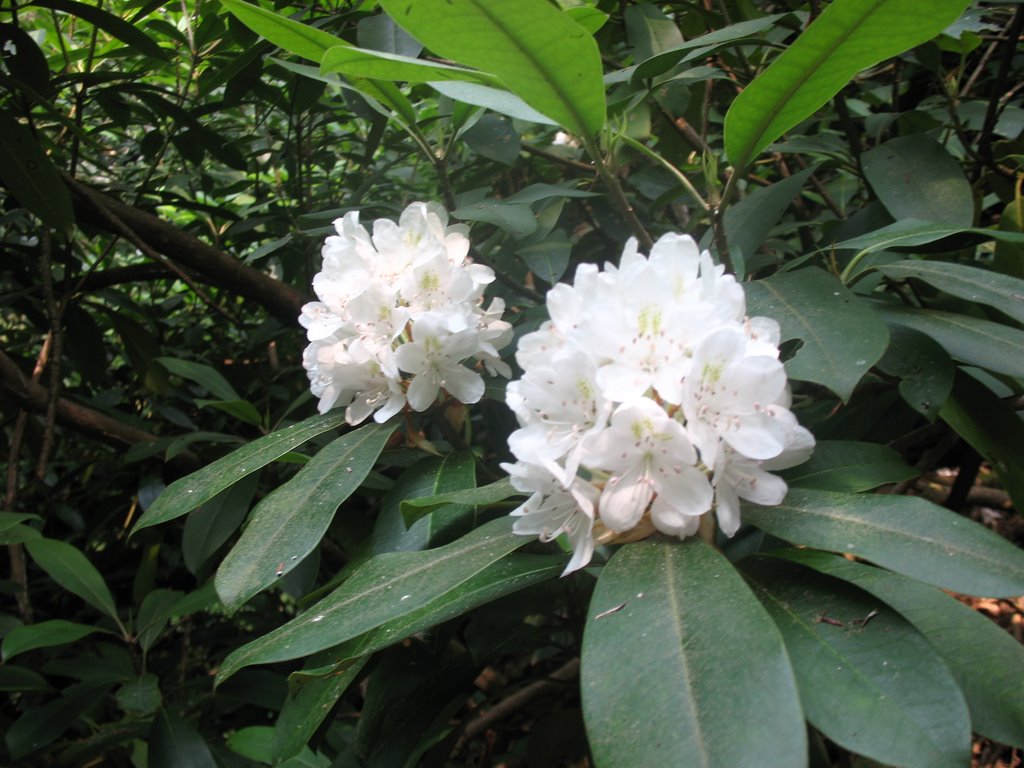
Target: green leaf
x: 968, y: 339
x: 841, y: 337
x: 390, y: 66
x: 45, y: 634
x: 924, y: 368
x: 681, y: 666
x: 15, y: 679
x: 703, y: 45
x: 255, y: 742
x: 32, y: 177
x: 385, y: 588
x: 748, y: 222
x: 156, y: 610
x: 495, y: 138
x: 916, y: 178
x: 649, y: 31
x: 174, y: 743
x: 591, y: 19
x: 208, y: 378
x: 288, y: 523
x: 517, y: 219
x: 414, y: 508
x: 140, y: 697
x: 993, y: 429
x: 70, y: 568
x: 540, y: 54
x: 207, y: 528
x: 848, y: 36
x: 907, y: 535
x: 872, y: 685
x: 913, y: 232
x: 495, y: 99
x: 41, y: 725
x: 113, y: 25
x: 987, y: 674
x: 972, y: 283
x: 293, y: 36
x: 242, y: 410
x: 13, y: 532
x: 184, y: 495
x: 307, y: 706
x: 846, y: 465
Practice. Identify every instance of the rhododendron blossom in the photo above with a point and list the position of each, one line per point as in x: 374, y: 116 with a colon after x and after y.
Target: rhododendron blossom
x: 647, y: 400
x: 400, y: 317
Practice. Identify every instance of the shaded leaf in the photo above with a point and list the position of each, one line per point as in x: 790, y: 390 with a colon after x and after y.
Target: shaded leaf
x: 288, y: 523
x: 663, y: 679
x: 924, y: 368
x: 873, y: 686
x: 72, y: 570
x: 391, y: 66
x: 41, y: 725
x: 907, y: 535
x: 45, y: 634
x: 495, y: 99
x: 205, y: 376
x: 184, y: 495
x: 113, y: 25
x: 968, y: 339
x: 911, y: 232
x: 140, y: 697
x: 847, y: 465
x: 32, y: 177
x: 841, y: 337
x: 174, y: 743
x: 385, y: 588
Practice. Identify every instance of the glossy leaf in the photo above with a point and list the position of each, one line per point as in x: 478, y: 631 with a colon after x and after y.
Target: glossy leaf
x: 41, y: 725
x: 987, y: 673
x: 256, y: 741
x: 308, y: 704
x: 157, y: 609
x: 32, y: 177
x: 184, y: 495
x: 14, y: 679
x: 72, y: 570
x: 677, y: 652
x: 204, y: 375
x: 905, y: 534
x: 45, y: 634
x: 289, y: 522
x: 916, y: 178
x: 924, y: 368
x: 912, y: 232
x: 873, y: 686
x: 499, y: 490
x: 841, y: 339
x: 850, y: 466
x: 992, y: 427
x: 848, y: 36
x: 208, y: 527
x: 389, y: 66
x: 385, y: 588
x: 971, y: 340
x: 540, y: 54
x: 649, y: 31
x: 495, y: 99
x: 971, y: 283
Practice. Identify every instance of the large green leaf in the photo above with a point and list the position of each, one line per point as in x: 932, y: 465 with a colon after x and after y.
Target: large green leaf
x: 41, y: 725
x: 994, y: 346
x: 387, y: 587
x: 850, y: 466
x: 72, y: 570
x: 848, y: 36
x: 390, y: 66
x: 174, y: 743
x: 872, y: 685
x: 912, y: 232
x: 208, y: 527
x: 288, y: 523
x: 45, y: 634
x: 539, y: 53
x: 113, y: 25
x: 907, y: 535
x: 841, y: 338
x: 924, y: 368
x: 988, y: 673
x: 1003, y: 292
x: 916, y: 178
x: 993, y: 429
x: 32, y: 177
x: 184, y: 495
x: 681, y: 666
x: 331, y: 670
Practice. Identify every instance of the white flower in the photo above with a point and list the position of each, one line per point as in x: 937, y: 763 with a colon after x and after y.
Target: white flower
x: 404, y: 300
x: 651, y: 386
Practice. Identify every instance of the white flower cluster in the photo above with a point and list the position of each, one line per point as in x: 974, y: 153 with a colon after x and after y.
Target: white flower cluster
x: 400, y: 313
x: 648, y: 398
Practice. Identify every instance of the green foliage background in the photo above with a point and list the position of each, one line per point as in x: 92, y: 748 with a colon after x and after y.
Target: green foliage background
x: 196, y: 580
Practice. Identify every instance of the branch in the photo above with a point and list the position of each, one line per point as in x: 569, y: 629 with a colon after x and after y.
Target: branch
x: 34, y: 397
x: 211, y: 264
